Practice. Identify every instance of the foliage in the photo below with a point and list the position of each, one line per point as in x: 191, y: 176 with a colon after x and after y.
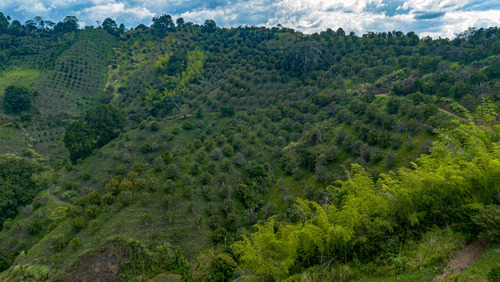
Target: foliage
x: 100, y: 125
x: 17, y: 185
x: 459, y: 170
x: 17, y: 98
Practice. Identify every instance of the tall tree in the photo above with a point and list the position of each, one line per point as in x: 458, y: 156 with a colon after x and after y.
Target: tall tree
x: 4, y: 23
x: 17, y: 98
x: 80, y: 140
x: 110, y: 26
x: 163, y: 22
x: 69, y: 24
x: 209, y: 26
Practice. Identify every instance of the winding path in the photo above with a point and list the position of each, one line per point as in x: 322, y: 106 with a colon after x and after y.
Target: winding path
x: 452, y: 114
x: 54, y: 198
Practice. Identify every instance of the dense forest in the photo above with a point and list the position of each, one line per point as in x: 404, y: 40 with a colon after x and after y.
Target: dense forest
x: 179, y: 151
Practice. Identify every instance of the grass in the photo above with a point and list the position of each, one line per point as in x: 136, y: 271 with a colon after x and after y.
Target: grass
x: 11, y: 140
x: 487, y: 260
x: 425, y: 274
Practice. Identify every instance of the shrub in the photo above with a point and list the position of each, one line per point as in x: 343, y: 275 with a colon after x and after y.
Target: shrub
x: 93, y: 225
x: 92, y: 211
x: 125, y: 198
x: 154, y: 146
x: 74, y: 243
x: 58, y: 241
x: 77, y: 223
x: 187, y: 126
x: 108, y: 199
x: 216, y: 154
x: 223, y: 268
x: 146, y: 147
x: 127, y: 157
x: 494, y: 273
x: 155, y: 126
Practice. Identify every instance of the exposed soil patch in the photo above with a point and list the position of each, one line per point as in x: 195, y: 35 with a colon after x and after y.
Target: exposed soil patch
x: 465, y: 258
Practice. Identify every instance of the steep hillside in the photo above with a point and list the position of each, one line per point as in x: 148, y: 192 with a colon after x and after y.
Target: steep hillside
x: 204, y: 153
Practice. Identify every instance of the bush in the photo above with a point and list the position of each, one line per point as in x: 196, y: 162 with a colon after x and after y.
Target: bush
x: 216, y: 154
x: 155, y: 126
x: 127, y: 157
x: 187, y: 126
x: 146, y: 147
x: 74, y: 243
x: 58, y: 241
x: 494, y: 273
x: 223, y: 268
x: 77, y: 223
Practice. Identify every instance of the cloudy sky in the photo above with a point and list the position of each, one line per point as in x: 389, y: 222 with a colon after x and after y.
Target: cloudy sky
x: 435, y: 18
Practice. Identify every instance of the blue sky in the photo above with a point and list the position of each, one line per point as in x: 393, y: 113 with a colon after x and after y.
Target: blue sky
x: 442, y: 18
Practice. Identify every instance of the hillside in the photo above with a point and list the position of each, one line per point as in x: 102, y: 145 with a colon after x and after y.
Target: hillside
x: 203, y: 153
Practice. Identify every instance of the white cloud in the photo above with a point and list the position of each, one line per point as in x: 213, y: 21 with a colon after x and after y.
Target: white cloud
x: 114, y: 10
x: 36, y: 8
x: 426, y: 17
x: 457, y: 22
x: 434, y: 6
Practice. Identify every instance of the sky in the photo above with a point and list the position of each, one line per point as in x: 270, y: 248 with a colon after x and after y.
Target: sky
x: 438, y: 18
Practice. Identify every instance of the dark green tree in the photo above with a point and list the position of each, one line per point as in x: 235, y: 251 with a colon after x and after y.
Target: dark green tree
x: 106, y: 121
x: 110, y: 26
x: 17, y: 98
x: 100, y: 125
x: 163, y: 22
x: 209, y: 26
x: 17, y: 187
x: 4, y: 23
x: 80, y: 139
x: 69, y: 24
x: 180, y: 22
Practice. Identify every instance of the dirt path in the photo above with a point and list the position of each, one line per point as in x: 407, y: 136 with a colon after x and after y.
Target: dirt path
x: 178, y: 117
x: 381, y: 95
x: 465, y: 258
x: 452, y: 114
x: 51, y: 194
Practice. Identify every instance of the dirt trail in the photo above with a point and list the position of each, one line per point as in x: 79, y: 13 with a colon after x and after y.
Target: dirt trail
x: 51, y: 194
x: 450, y: 113
x: 178, y: 117
x: 381, y: 95
x: 465, y: 258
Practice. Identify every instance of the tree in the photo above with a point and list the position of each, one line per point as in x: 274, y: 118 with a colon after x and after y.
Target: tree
x: 163, y: 22
x: 80, y: 139
x: 100, y: 125
x: 180, y: 22
x: 303, y: 57
x: 110, y: 26
x: 106, y: 121
x: 17, y: 98
x: 209, y: 26
x: 17, y: 187
x: 4, y: 23
x: 69, y: 24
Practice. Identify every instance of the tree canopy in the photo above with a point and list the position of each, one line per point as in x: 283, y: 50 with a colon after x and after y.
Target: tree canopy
x: 100, y: 125
x: 17, y: 98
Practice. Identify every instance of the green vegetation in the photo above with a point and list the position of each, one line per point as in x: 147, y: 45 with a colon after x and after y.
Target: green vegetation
x: 188, y: 152
x: 17, y: 98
